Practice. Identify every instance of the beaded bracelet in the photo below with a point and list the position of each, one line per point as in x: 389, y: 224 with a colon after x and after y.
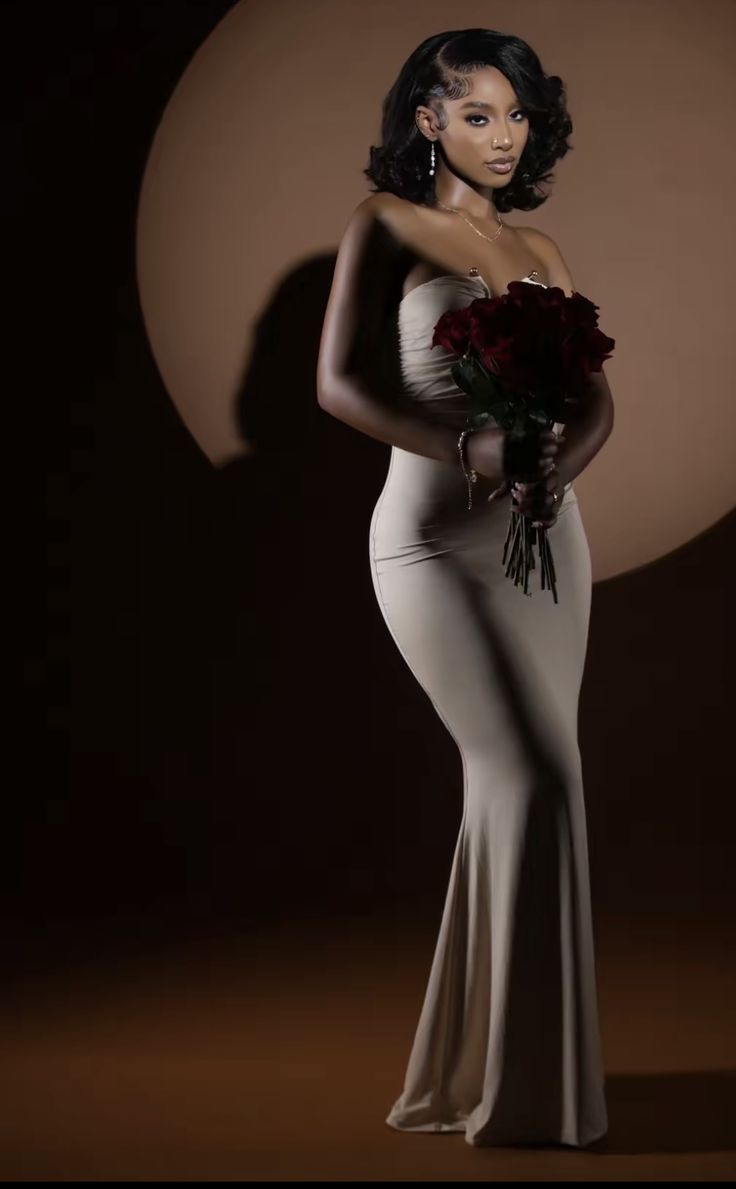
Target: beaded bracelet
x: 470, y: 472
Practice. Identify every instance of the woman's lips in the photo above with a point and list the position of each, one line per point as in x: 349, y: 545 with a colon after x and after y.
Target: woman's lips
x: 501, y: 168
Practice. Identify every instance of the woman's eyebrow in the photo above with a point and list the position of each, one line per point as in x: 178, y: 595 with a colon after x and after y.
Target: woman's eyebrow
x: 480, y: 103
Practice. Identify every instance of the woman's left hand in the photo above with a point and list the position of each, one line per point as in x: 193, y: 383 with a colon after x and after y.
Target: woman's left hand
x: 536, y: 500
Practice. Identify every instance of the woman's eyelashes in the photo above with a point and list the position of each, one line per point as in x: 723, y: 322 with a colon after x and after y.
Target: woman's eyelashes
x: 485, y: 119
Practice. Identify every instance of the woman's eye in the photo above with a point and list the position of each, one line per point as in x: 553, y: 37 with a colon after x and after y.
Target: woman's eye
x: 484, y: 118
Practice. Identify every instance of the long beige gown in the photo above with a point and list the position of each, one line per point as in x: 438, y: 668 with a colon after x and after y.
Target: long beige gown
x: 507, y: 1047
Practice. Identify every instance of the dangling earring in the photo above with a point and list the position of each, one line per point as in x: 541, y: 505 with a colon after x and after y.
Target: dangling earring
x: 431, y: 162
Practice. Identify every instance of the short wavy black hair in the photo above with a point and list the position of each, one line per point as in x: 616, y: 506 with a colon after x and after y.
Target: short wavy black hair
x: 438, y: 69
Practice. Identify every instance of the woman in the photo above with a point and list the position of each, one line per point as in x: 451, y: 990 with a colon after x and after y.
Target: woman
x: 507, y: 1047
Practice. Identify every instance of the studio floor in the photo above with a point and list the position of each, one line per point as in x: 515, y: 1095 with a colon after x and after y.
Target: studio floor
x: 278, y: 1058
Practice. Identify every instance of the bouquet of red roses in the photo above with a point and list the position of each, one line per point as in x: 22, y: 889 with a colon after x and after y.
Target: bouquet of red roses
x: 524, y: 359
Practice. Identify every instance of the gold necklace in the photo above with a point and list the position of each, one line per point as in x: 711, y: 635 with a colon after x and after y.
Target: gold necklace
x: 490, y: 238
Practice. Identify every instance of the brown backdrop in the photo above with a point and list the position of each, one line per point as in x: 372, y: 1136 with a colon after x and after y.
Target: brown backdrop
x: 218, y: 739
x: 256, y: 165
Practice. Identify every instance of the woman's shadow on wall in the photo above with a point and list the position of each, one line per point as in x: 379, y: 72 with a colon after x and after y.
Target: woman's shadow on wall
x: 317, y: 712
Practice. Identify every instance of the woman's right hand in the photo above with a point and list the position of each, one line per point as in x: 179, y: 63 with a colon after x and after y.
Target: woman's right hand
x: 502, y: 459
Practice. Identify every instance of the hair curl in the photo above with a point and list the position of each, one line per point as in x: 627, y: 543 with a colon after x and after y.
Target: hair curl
x: 438, y: 69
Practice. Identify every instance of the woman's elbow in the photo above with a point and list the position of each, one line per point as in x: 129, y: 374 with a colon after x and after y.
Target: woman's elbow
x: 600, y: 400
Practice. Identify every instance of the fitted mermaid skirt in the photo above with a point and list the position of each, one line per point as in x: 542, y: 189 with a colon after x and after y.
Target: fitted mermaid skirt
x: 507, y: 1047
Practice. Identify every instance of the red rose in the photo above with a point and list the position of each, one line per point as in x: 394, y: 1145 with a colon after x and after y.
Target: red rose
x: 529, y: 338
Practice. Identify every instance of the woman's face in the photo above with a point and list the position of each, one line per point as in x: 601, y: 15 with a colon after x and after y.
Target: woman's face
x: 485, y: 125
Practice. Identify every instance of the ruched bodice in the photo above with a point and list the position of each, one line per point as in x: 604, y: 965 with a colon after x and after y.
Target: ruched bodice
x: 425, y: 370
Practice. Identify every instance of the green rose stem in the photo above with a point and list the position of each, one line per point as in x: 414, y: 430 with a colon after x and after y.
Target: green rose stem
x: 519, y: 546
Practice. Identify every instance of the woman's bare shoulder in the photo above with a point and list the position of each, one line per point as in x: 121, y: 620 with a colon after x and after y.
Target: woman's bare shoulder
x: 538, y: 242
x: 396, y: 213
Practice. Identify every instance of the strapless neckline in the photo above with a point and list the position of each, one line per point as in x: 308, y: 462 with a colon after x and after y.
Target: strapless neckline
x: 458, y: 276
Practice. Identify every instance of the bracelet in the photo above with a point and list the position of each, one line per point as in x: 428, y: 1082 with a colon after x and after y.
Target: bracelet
x: 470, y: 472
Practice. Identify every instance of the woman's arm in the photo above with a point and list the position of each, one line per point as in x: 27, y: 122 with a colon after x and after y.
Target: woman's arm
x: 589, y: 430
x: 367, y: 279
